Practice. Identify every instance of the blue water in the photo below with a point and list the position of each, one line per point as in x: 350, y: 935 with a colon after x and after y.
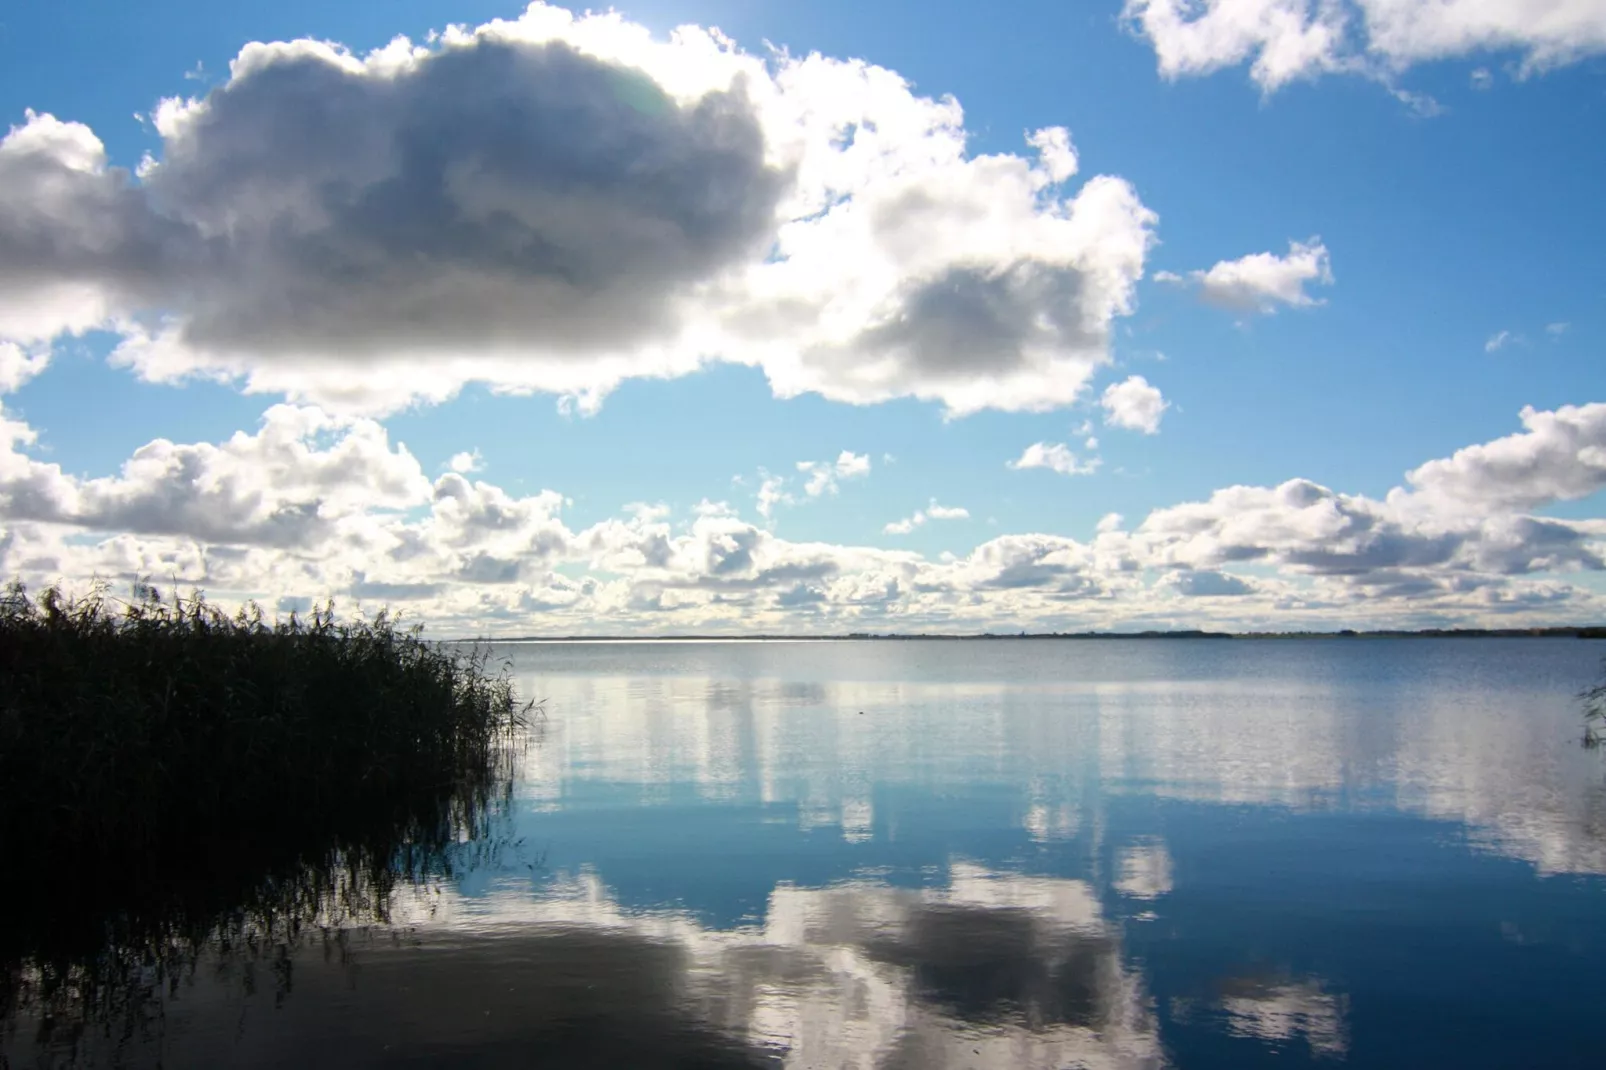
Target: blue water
x: 1199, y: 853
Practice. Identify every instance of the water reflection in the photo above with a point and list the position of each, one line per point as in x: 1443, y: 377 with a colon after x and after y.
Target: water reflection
x: 992, y: 969
x: 1279, y: 1012
x: 914, y: 861
x: 1026, y: 970
x: 1144, y: 870
x: 1451, y: 731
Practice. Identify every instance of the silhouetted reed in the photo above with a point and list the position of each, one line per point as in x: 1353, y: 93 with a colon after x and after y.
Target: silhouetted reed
x: 1595, y: 715
x: 171, y: 775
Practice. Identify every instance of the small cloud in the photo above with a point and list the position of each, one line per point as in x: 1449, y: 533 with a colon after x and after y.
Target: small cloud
x: 849, y: 464
x: 772, y: 493
x: 823, y: 478
x: 1421, y: 104
x: 1556, y: 330
x: 1482, y: 78
x: 1260, y: 282
x: 1054, y: 151
x: 920, y: 516
x: 1056, y: 457
x: 1109, y: 522
x: 1498, y: 341
x: 1134, y: 405
x: 466, y: 462
x: 824, y: 475
x: 197, y: 73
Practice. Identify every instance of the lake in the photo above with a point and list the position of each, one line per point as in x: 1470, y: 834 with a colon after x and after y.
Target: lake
x: 1033, y: 853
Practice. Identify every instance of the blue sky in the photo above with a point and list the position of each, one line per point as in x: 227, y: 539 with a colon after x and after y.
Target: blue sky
x: 1333, y: 243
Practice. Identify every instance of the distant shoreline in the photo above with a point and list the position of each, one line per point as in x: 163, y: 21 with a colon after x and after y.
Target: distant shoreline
x: 1561, y: 632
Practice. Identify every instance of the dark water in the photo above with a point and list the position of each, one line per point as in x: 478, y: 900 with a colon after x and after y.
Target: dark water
x: 926, y: 854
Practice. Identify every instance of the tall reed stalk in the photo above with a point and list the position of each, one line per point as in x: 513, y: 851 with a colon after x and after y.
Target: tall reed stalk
x: 1595, y: 715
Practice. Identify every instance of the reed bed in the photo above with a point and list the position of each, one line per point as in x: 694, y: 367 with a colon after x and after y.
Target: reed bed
x: 170, y: 773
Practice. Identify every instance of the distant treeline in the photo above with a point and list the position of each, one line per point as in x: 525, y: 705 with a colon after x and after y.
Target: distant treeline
x: 1590, y: 631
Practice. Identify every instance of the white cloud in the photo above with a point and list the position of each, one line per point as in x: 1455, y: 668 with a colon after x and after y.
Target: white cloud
x: 1556, y: 330
x: 1560, y: 456
x: 1056, y: 457
x: 1260, y: 282
x: 280, y: 487
x: 824, y: 476
x: 772, y: 493
x: 561, y: 203
x: 1053, y: 145
x: 466, y: 462
x: 920, y: 516
x: 1497, y: 341
x: 1289, y: 40
x: 820, y: 478
x: 1481, y: 78
x: 1546, y: 32
x: 19, y: 364
x: 310, y: 504
x: 1411, y: 545
x: 1134, y: 405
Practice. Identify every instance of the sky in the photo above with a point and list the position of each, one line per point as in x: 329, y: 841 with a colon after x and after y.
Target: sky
x: 719, y: 317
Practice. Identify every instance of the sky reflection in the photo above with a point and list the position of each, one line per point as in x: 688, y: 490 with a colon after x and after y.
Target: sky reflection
x: 908, y: 855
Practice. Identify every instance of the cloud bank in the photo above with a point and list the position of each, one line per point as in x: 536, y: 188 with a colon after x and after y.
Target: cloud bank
x: 313, y: 504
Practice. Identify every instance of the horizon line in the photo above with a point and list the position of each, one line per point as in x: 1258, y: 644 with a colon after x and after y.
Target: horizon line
x: 1562, y: 631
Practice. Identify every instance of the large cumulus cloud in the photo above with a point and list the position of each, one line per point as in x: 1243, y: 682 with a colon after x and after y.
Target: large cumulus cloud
x: 558, y: 204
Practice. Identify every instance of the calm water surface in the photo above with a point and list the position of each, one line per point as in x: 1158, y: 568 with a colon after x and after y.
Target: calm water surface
x: 1378, y: 853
